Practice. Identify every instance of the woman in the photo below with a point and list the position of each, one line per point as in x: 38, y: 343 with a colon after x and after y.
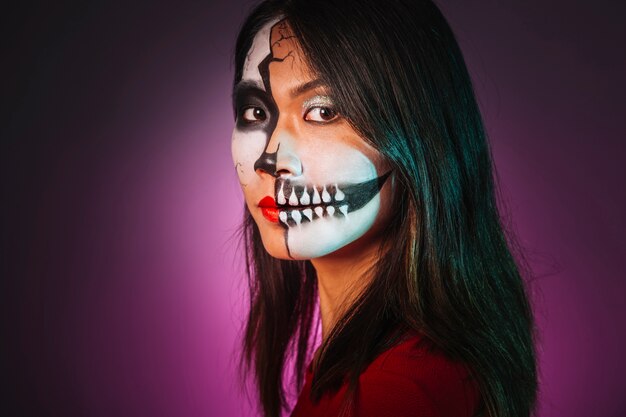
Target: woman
x: 369, y: 196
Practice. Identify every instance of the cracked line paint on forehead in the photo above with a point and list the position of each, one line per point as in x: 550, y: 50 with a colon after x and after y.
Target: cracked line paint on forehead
x: 259, y: 51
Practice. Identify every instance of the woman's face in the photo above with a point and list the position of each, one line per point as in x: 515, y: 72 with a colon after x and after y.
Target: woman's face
x: 311, y: 183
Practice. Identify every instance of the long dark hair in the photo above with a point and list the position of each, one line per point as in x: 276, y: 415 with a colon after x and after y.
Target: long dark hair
x: 445, y: 269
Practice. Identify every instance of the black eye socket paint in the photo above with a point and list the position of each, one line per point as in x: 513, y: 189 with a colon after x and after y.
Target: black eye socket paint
x: 248, y: 96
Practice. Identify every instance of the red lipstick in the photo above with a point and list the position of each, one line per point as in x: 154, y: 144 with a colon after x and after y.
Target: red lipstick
x: 269, y: 209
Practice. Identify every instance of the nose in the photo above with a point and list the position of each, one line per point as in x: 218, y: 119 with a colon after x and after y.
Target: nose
x: 280, y: 158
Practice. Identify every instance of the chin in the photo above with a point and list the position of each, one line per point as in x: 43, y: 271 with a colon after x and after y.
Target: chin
x: 278, y: 252
x: 273, y: 239
x: 304, y: 246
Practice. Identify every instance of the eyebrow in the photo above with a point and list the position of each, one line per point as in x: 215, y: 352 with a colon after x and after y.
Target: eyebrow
x: 303, y: 88
x: 245, y: 85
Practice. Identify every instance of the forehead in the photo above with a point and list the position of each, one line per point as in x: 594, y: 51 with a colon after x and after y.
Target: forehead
x: 274, y: 47
x: 259, y: 50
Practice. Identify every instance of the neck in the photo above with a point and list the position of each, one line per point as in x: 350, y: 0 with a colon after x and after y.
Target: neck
x: 341, y: 276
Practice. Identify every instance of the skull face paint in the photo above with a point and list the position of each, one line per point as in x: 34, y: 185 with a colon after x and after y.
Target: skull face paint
x: 311, y: 183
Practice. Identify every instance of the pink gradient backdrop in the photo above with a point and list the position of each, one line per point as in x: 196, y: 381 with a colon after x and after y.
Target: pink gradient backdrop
x: 124, y: 290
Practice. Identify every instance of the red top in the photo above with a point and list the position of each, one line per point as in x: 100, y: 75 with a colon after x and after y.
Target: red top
x: 411, y: 379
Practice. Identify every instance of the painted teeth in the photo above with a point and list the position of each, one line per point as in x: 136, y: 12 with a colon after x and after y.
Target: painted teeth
x: 281, y: 195
x: 293, y: 199
x: 296, y: 216
x: 325, y: 196
x: 313, y: 203
x: 305, y: 200
x: 316, y: 196
x: 339, y: 195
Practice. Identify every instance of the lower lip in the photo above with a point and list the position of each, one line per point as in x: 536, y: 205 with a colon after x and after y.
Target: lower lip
x: 269, y: 209
x: 270, y: 213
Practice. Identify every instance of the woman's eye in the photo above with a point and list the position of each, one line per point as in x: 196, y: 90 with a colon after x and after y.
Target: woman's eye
x: 253, y: 114
x: 320, y: 114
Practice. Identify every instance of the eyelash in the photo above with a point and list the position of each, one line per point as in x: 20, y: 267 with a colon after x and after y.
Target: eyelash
x: 243, y: 111
x: 327, y: 107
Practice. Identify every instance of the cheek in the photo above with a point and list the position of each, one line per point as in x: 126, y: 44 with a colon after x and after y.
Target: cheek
x: 246, y: 147
x: 328, y: 161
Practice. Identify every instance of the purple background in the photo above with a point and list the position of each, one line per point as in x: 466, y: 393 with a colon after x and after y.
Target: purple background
x: 122, y: 289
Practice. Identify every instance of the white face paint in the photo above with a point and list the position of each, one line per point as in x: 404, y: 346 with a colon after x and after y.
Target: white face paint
x: 311, y: 183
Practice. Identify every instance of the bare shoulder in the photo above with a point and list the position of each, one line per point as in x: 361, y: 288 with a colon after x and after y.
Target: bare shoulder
x: 414, y: 378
